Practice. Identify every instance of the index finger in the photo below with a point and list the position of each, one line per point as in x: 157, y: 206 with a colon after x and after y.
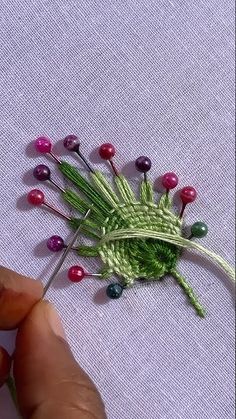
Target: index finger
x: 18, y: 295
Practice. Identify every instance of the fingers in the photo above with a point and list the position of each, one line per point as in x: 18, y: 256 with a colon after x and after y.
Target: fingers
x: 5, y: 365
x: 49, y: 382
x: 18, y: 295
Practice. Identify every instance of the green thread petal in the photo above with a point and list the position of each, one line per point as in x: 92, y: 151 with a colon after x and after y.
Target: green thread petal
x: 88, y: 251
x: 103, y: 185
x: 84, y: 186
x: 165, y: 202
x: 146, y: 192
x: 124, y: 189
x: 74, y: 200
x: 85, y: 229
x: 189, y: 292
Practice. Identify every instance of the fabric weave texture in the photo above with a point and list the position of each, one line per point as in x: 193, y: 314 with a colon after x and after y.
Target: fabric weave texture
x: 154, y: 78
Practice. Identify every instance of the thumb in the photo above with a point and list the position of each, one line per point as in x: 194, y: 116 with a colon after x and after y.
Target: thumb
x: 49, y: 382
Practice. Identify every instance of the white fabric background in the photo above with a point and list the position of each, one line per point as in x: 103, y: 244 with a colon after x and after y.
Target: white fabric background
x: 155, y: 78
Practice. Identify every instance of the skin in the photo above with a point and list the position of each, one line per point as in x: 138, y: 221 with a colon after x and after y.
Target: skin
x: 49, y: 382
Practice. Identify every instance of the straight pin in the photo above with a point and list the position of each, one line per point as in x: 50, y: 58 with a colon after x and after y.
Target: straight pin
x: 43, y: 173
x: 44, y: 146
x: 36, y: 198
x: 107, y: 151
x: 72, y: 143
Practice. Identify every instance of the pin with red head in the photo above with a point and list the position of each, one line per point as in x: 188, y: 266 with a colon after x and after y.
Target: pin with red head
x: 107, y: 151
x: 77, y: 273
x: 36, y: 198
x: 188, y: 194
x: 169, y: 181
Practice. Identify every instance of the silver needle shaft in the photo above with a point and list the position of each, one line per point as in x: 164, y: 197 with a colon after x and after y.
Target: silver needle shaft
x: 64, y: 255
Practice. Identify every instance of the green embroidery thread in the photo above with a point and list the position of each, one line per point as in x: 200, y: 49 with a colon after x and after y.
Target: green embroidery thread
x: 134, y: 238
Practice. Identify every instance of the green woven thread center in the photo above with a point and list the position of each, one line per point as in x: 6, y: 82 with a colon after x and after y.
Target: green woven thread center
x: 147, y: 258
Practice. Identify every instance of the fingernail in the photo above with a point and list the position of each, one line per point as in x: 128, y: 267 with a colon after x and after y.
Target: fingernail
x: 55, y: 321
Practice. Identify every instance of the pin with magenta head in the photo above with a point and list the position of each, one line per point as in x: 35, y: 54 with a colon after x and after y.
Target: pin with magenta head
x: 56, y: 244
x: 44, y: 146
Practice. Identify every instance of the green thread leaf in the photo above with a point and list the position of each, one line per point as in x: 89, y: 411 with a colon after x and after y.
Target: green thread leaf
x: 82, y: 206
x: 75, y: 201
x: 189, y: 292
x: 103, y: 185
x: 124, y: 189
x: 165, y: 202
x: 91, y: 251
x: 146, y: 192
x: 85, y: 229
x: 92, y: 225
x: 84, y: 186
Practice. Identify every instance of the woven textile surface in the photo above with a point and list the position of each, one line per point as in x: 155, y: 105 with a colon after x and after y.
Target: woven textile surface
x: 154, y: 78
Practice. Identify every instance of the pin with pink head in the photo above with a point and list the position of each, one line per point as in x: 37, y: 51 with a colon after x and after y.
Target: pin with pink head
x: 44, y: 146
x: 36, y: 198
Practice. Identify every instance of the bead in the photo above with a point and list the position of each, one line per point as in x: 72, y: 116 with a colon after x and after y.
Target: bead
x: 55, y: 244
x: 42, y: 172
x: 170, y: 180
x: 71, y: 142
x: 76, y: 273
x: 43, y: 145
x: 114, y: 291
x: 188, y: 194
x: 143, y: 164
x: 35, y: 197
x: 199, y: 229
x: 107, y: 151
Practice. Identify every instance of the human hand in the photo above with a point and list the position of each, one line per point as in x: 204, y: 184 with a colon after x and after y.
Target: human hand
x: 49, y: 382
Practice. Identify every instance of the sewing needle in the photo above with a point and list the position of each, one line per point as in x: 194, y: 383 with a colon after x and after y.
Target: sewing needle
x: 65, y: 253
